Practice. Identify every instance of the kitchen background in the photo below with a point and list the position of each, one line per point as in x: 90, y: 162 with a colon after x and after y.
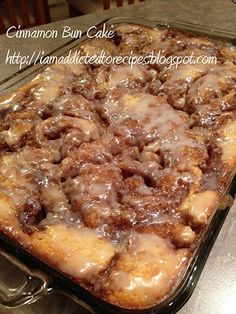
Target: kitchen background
x: 37, y: 12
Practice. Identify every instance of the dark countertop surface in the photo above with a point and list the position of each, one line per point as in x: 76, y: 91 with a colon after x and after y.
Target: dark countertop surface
x: 216, y: 289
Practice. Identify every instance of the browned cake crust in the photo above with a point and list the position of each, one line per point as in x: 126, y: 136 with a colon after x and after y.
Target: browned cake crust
x: 110, y: 173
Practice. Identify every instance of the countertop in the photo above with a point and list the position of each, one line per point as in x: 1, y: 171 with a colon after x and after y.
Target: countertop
x: 216, y: 290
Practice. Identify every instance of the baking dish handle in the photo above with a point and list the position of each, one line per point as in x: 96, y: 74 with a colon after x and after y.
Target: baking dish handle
x: 34, y: 287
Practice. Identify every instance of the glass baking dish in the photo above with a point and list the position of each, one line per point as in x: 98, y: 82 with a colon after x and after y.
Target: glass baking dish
x: 42, y: 278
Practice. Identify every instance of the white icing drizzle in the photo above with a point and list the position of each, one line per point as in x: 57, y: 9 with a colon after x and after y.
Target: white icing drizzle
x: 218, y: 78
x: 53, y: 79
x: 158, y: 119
x: 126, y: 75
x: 147, y: 269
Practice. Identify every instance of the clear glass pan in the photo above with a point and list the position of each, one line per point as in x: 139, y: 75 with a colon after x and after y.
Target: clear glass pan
x: 49, y: 277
